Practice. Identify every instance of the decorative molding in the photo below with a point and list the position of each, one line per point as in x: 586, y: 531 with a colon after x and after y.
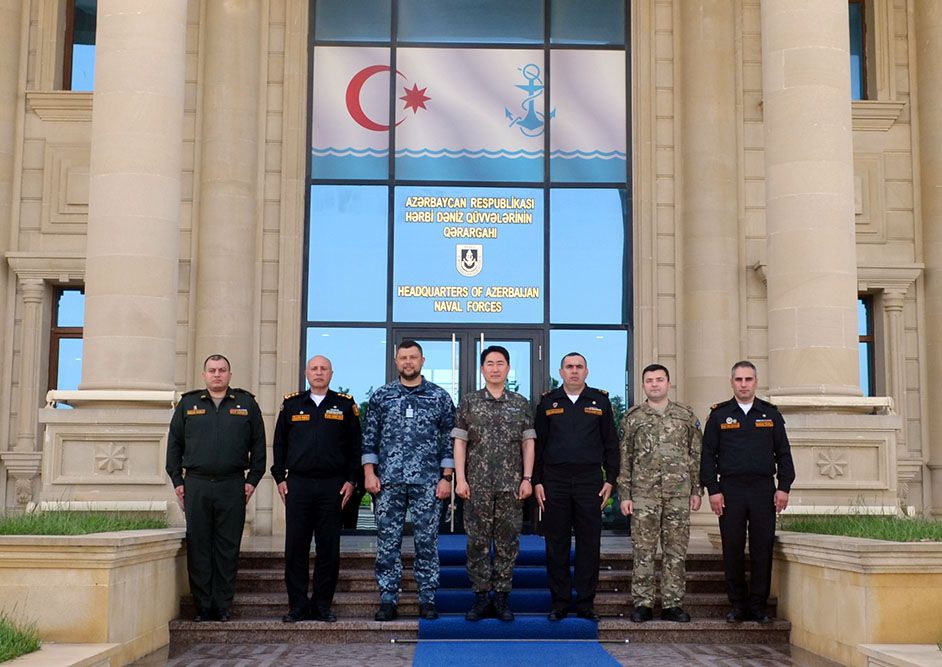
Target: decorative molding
x: 875, y: 115
x: 51, y: 267
x: 62, y: 106
x: 831, y: 463
x: 888, y: 278
x: 111, y: 456
x: 869, y: 204
x: 857, y: 554
x: 65, y: 193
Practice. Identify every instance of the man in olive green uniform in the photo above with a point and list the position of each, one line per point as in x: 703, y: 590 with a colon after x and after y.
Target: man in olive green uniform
x: 216, y: 434
x: 494, y: 442
x: 659, y: 486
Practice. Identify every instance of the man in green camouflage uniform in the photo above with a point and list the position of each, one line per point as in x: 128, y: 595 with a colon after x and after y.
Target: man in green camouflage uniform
x: 494, y: 442
x: 659, y: 486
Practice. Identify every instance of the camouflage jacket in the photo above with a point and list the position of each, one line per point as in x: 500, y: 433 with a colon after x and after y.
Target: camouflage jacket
x: 407, y: 433
x: 660, y: 452
x: 494, y: 429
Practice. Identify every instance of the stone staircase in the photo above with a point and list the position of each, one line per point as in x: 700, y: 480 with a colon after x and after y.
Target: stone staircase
x: 261, y: 601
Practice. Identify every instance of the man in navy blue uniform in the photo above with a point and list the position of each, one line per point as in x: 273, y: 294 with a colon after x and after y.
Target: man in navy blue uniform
x: 575, y: 440
x: 317, y: 454
x: 744, y: 449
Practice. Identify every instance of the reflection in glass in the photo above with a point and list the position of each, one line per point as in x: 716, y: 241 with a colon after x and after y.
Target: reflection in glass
x: 863, y: 317
x: 442, y: 365
x: 69, y: 370
x: 85, y: 20
x: 70, y: 311
x: 352, y: 20
x: 572, y: 24
x: 606, y: 354
x: 518, y: 379
x: 347, y: 253
x: 358, y: 356
x: 857, y: 85
x: 488, y: 21
x: 865, y: 370
x: 589, y: 280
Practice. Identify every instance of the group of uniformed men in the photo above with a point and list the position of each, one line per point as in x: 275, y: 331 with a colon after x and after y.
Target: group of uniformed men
x: 414, y: 447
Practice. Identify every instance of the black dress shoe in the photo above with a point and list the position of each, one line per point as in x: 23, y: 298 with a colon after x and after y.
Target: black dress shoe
x: 556, y: 615
x: 324, y: 615
x: 675, y: 614
x: 223, y: 616
x: 588, y: 614
x: 427, y: 611
x: 641, y: 614
x: 294, y: 616
x: 203, y: 615
x: 736, y: 616
x: 760, y: 617
x: 387, y: 612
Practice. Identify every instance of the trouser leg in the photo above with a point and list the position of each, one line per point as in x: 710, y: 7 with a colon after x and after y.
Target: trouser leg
x: 645, y: 532
x: 479, y: 524
x: 426, y: 509
x: 557, y: 529
x: 675, y: 534
x: 299, y: 528
x: 229, y: 515
x: 328, y: 522
x: 587, y: 521
x: 761, y: 538
x: 198, y: 507
x: 733, y: 534
x: 507, y: 525
x: 391, y: 504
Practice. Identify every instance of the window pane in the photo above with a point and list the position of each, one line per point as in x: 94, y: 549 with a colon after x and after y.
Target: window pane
x: 347, y: 253
x: 518, y: 379
x: 589, y: 132
x: 472, y: 114
x: 606, y: 354
x: 863, y: 317
x: 491, y: 21
x: 865, y: 371
x: 71, y: 308
x: 352, y: 20
x: 589, y: 278
x: 440, y: 357
x: 70, y: 363
x: 468, y: 255
x: 350, y: 124
x: 358, y: 357
x: 856, y: 50
x: 83, y: 45
x: 572, y: 24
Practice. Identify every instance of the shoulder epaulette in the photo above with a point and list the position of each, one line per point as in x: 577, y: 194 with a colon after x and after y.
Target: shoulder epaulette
x: 604, y: 392
x: 242, y: 391
x: 633, y: 408
x: 292, y: 395
x: 548, y: 391
x: 765, y: 402
x: 716, y: 405
x: 345, y: 396
x: 192, y: 391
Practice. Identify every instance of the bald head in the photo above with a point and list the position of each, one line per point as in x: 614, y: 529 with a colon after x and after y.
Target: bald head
x: 319, y: 371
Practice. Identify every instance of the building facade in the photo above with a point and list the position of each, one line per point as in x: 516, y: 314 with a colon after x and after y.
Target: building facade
x: 688, y: 183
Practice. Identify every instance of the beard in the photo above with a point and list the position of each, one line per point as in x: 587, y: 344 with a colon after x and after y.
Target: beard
x: 409, y: 376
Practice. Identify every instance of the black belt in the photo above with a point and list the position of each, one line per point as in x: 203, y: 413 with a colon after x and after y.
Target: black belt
x: 216, y: 478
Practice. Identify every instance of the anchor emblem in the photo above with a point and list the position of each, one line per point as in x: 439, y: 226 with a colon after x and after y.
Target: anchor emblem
x: 532, y: 122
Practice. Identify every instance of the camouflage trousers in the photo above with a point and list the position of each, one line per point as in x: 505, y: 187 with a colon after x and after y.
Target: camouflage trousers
x: 664, y: 520
x: 492, y: 517
x: 391, y: 506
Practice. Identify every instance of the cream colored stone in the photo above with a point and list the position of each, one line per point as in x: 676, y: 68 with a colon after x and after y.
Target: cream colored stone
x: 900, y: 655
x: 70, y: 655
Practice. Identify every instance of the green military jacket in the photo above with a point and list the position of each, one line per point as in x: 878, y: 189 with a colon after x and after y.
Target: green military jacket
x: 660, y: 452
x: 216, y: 442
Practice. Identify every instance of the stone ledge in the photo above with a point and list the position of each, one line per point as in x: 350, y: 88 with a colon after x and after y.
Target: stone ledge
x: 68, y: 655
x: 875, y: 115
x: 61, y: 105
x: 93, y: 551
x: 857, y: 554
x: 901, y: 655
x: 846, y: 404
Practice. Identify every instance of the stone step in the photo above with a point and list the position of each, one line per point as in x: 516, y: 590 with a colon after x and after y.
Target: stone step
x: 184, y: 634
x: 272, y: 581
x: 362, y: 604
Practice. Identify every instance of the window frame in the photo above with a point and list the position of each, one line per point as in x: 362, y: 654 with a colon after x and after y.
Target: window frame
x: 58, y: 333
x: 869, y: 340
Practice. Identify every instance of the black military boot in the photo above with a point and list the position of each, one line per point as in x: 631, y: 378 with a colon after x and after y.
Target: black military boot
x: 480, y: 607
x: 501, y: 609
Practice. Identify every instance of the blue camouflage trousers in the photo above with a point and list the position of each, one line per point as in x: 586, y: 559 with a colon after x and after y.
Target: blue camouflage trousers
x: 392, y: 502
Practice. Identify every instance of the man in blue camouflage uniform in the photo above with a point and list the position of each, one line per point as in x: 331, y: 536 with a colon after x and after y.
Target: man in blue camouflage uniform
x: 407, y: 465
x: 493, y: 470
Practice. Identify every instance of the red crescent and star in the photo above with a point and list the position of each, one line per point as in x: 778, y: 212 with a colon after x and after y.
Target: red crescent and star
x: 414, y: 98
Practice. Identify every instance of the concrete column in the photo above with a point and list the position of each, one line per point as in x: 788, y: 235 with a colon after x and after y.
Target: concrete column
x: 893, y: 302
x: 710, y: 200
x: 9, y: 109
x: 928, y: 97
x: 134, y: 196
x: 812, y: 271
x: 31, y: 336
x: 228, y: 210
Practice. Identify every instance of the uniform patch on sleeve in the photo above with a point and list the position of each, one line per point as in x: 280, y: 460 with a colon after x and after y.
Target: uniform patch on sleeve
x: 593, y: 411
x: 554, y: 411
x: 764, y: 423
x: 195, y: 411
x: 239, y: 411
x: 356, y: 410
x: 301, y: 418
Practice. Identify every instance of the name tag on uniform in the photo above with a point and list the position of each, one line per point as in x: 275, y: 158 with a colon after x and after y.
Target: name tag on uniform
x: 554, y: 411
x: 195, y: 411
x: 334, y: 413
x: 239, y: 411
x: 593, y: 411
x: 410, y: 413
x: 300, y: 418
x: 764, y: 423
x: 723, y: 427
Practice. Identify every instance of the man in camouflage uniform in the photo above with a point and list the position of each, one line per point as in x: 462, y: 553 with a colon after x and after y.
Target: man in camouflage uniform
x: 659, y: 487
x: 493, y: 467
x: 407, y: 438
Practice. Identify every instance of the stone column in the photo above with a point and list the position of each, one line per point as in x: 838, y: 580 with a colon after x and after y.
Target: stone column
x: 134, y: 196
x: 10, y: 94
x: 893, y: 302
x: 710, y: 200
x: 228, y: 211
x: 812, y: 283
x: 928, y: 97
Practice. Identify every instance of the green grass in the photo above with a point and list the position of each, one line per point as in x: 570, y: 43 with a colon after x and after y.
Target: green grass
x: 891, y: 528
x: 74, y: 523
x: 16, y: 640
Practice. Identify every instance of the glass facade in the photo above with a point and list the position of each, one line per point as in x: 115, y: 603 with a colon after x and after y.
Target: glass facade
x: 470, y: 177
